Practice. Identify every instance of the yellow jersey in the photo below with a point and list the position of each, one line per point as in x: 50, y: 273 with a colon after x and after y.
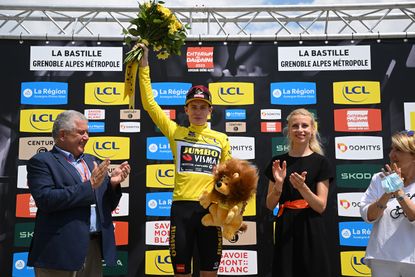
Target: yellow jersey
x: 196, y: 149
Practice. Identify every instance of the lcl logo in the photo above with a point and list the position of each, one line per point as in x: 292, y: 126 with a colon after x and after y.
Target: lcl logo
x: 42, y: 118
x: 117, y: 148
x: 231, y: 91
x: 106, y: 91
x: 355, y: 90
x: 108, y: 145
x: 165, y: 173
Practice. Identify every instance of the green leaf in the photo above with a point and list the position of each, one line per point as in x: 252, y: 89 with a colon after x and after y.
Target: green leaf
x: 128, y: 40
x: 133, y: 32
x: 135, y: 21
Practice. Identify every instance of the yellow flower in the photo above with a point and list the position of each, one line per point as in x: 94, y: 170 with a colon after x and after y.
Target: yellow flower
x: 165, y: 11
x: 158, y: 28
x: 172, y: 28
x: 157, y: 48
x: 163, y: 55
x: 178, y: 24
x: 145, y: 42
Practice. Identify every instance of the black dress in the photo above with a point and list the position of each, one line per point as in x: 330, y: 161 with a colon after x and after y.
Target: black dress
x: 300, y: 237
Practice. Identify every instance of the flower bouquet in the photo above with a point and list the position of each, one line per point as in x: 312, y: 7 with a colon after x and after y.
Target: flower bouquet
x: 156, y: 27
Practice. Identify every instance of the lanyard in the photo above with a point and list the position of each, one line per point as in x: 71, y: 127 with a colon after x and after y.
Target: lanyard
x: 85, y: 173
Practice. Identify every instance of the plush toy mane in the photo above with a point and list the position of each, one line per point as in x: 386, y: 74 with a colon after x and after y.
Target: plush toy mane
x: 235, y: 182
x: 241, y: 188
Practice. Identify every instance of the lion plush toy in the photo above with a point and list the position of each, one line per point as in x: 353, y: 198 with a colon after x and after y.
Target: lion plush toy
x: 234, y: 183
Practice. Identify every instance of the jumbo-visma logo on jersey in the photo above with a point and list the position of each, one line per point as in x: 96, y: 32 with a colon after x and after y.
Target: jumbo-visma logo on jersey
x: 114, y: 148
x: 38, y: 120
x: 356, y: 92
x: 105, y: 93
x: 231, y: 93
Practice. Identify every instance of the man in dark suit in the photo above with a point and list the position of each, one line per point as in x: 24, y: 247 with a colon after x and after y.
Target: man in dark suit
x: 75, y: 197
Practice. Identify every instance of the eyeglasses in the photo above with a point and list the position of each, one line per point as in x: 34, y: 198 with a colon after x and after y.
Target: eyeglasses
x: 409, y: 133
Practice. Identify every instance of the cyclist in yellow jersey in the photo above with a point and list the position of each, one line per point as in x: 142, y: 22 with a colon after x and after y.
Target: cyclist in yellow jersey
x: 196, y: 151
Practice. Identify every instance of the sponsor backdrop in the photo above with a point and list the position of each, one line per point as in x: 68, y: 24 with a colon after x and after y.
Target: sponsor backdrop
x: 361, y: 92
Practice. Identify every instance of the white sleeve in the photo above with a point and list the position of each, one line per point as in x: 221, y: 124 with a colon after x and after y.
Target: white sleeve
x: 373, y: 192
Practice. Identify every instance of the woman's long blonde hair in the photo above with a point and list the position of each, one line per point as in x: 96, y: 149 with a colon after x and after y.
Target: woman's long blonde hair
x: 314, y: 144
x: 404, y: 141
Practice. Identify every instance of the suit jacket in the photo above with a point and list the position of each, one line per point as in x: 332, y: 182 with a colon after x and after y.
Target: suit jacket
x: 61, y: 235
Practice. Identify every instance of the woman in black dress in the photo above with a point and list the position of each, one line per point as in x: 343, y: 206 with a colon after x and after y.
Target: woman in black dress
x: 299, y: 183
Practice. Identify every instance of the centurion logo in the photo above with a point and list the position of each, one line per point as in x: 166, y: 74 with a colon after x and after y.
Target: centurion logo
x: 356, y: 92
x: 231, y: 93
x: 30, y: 146
x: 160, y: 176
x: 114, y: 148
x: 129, y: 114
x: 38, y: 120
x: 235, y: 127
x: 359, y: 148
x: 105, y: 93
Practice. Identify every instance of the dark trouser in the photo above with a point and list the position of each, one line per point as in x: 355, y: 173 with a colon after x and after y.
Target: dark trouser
x: 91, y: 268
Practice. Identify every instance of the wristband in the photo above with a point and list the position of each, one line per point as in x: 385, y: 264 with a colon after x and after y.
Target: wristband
x: 277, y: 192
x: 400, y: 198
x: 380, y: 206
